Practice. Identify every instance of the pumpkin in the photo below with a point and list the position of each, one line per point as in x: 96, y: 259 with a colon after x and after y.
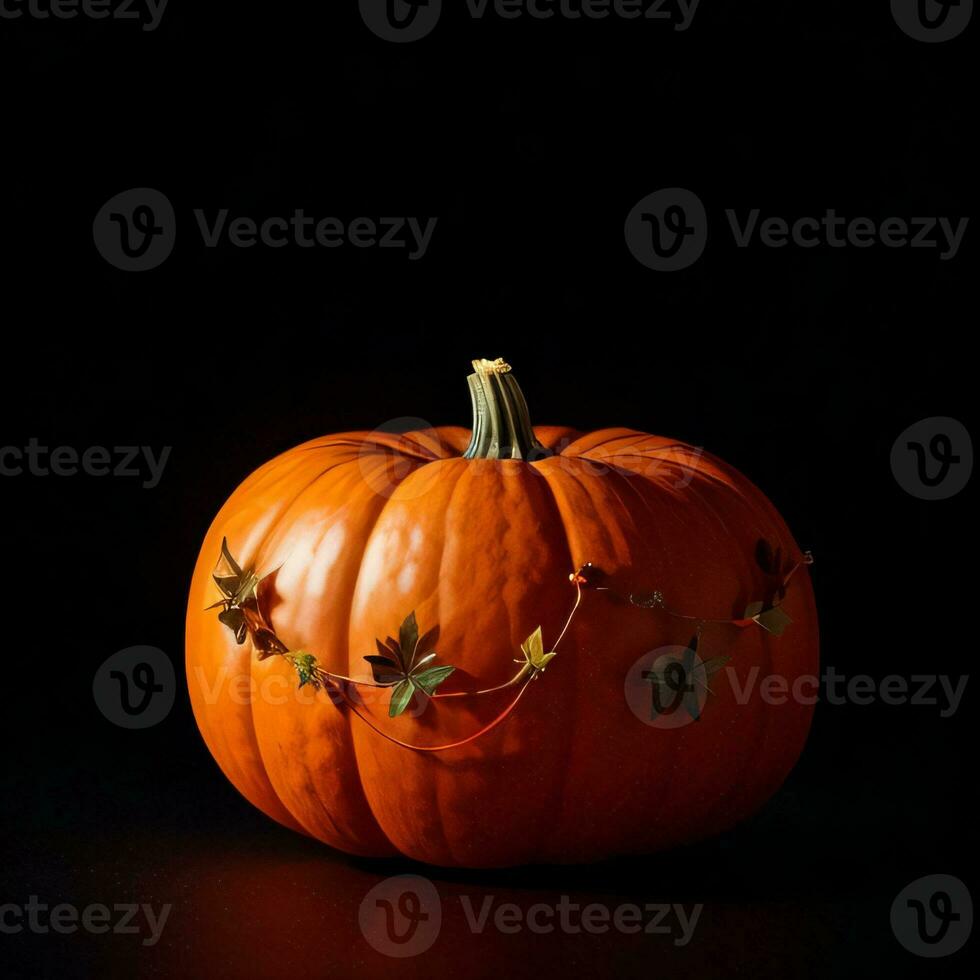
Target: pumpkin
x: 371, y: 617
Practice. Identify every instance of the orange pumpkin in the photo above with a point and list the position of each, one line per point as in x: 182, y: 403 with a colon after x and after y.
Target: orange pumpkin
x: 331, y: 546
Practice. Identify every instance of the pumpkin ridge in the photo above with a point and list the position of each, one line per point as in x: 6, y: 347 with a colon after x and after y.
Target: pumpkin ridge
x: 355, y: 752
x: 348, y: 735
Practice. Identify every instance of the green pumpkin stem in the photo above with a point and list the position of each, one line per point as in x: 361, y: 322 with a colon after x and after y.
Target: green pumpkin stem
x: 501, y: 423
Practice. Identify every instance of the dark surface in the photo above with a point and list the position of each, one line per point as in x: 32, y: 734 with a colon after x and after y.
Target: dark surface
x: 530, y: 142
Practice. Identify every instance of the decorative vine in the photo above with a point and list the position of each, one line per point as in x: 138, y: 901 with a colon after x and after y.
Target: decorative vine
x: 406, y: 665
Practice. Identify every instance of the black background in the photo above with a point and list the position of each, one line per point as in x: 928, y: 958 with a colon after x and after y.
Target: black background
x: 530, y: 141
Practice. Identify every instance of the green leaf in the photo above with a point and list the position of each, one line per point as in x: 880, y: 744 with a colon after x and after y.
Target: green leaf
x: 774, y: 620
x: 247, y: 588
x: 234, y: 619
x: 427, y: 642
x: 393, y: 649
x: 228, y: 574
x: 385, y: 670
x: 305, y: 664
x: 533, y: 648
x: 226, y: 554
x: 716, y: 663
x: 430, y: 679
x: 408, y: 639
x: 400, y: 697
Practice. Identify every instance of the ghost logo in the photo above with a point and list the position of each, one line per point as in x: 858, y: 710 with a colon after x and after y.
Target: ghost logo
x: 673, y: 677
x: 668, y: 687
x: 933, y: 458
x: 144, y: 679
x: 941, y: 907
x: 941, y: 450
x: 933, y: 916
x: 401, y: 916
x: 400, y: 20
x: 674, y: 223
x: 135, y: 688
x: 135, y: 230
x: 667, y: 230
x: 932, y: 20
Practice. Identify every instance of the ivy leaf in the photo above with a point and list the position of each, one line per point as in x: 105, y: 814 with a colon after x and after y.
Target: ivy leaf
x: 427, y: 642
x: 403, y: 664
x: 430, y: 679
x: 771, y: 618
x: 234, y: 619
x: 408, y: 639
x: 384, y: 670
x: 238, y: 589
x: 400, y: 697
x: 533, y: 649
x: 306, y: 668
x: 391, y: 649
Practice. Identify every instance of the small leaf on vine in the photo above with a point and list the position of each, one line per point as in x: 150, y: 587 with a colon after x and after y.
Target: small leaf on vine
x: 430, y: 679
x: 402, y: 664
x: 400, y: 697
x: 774, y: 620
x: 408, y: 639
x: 238, y: 588
x: 533, y: 649
x: 709, y: 667
x: 384, y: 670
x: 427, y: 642
x: 234, y: 619
x: 306, y: 668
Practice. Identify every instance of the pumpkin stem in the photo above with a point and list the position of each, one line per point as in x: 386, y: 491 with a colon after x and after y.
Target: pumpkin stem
x: 501, y: 423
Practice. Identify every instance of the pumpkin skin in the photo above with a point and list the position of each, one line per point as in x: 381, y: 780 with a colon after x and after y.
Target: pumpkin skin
x: 363, y: 528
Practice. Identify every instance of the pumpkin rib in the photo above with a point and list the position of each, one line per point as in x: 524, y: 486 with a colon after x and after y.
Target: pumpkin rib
x: 556, y: 534
x: 764, y: 516
x: 366, y: 753
x: 548, y: 834
x: 227, y: 757
x: 363, y: 534
x: 581, y: 748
